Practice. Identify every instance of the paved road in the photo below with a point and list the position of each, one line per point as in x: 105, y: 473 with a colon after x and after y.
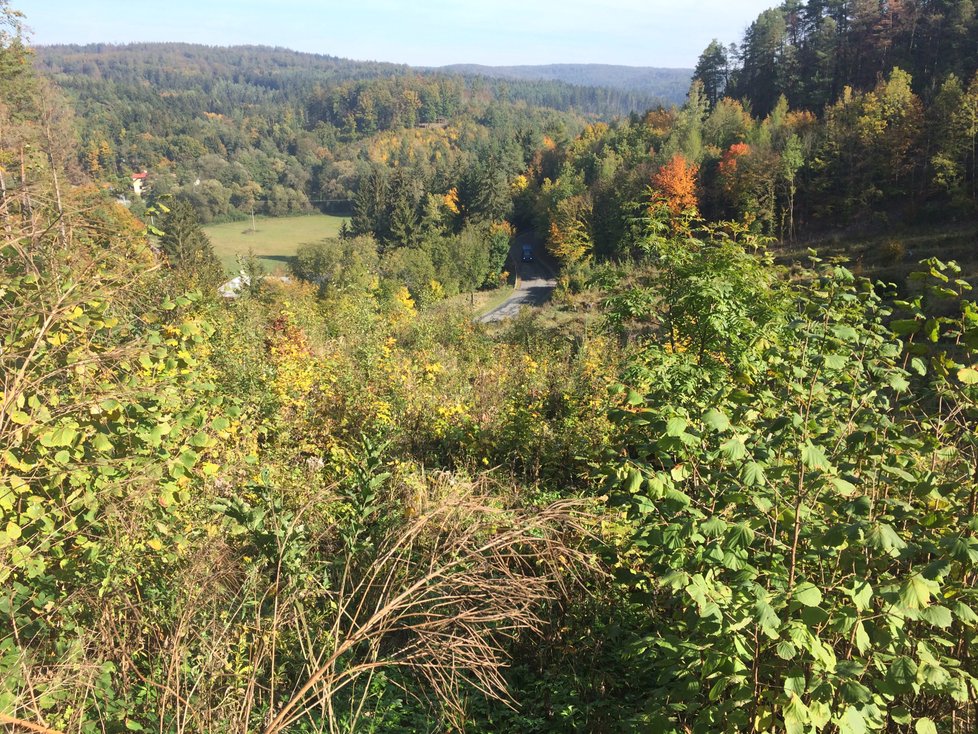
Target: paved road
x: 536, y: 284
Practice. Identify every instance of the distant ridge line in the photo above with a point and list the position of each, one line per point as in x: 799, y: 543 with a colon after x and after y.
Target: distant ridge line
x: 664, y: 83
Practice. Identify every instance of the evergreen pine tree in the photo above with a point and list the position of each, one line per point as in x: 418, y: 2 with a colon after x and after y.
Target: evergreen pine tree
x: 186, y: 247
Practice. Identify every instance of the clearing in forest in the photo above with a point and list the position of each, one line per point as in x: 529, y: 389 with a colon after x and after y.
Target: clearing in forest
x: 274, y: 239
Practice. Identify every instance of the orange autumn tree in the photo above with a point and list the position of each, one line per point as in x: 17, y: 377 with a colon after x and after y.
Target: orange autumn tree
x: 728, y: 164
x: 674, y: 187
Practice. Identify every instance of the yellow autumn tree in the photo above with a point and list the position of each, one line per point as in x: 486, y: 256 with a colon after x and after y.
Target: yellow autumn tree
x: 569, y: 237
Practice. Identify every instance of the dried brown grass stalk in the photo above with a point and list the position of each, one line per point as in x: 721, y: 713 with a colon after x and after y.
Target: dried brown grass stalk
x: 440, y: 598
x: 19, y: 725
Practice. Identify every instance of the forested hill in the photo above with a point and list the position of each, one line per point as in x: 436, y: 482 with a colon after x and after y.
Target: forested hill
x: 670, y: 85
x: 273, y: 68
x: 235, y: 75
x: 273, y: 131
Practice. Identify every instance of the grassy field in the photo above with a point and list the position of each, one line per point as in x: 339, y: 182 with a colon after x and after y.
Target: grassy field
x: 274, y: 240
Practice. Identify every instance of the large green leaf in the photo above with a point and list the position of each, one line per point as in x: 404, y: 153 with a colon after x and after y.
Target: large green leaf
x: 716, y: 420
x: 767, y: 618
x: 916, y: 592
x: 883, y: 537
x: 814, y: 457
x: 808, y: 594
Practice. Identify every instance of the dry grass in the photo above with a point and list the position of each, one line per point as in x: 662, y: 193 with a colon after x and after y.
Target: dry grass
x: 440, y: 599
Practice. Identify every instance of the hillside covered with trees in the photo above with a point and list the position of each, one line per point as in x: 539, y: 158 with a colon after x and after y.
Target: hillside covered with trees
x: 279, y: 132
x: 701, y: 491
x: 871, y: 108
x: 668, y: 85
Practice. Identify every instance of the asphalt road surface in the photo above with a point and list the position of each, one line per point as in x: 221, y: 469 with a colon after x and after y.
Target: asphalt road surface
x: 536, y: 281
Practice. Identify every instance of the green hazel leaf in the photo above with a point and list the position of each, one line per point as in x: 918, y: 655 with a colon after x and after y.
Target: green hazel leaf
x: 901, y: 473
x: 679, y: 473
x: 188, y: 459
x: 862, y: 640
x: 968, y: 376
x: 220, y: 424
x: 898, y: 382
x: 740, y: 535
x: 843, y: 487
x: 836, y: 361
x: 733, y: 449
x: 674, y: 495
x: 102, y: 443
x: 925, y: 726
x: 676, y: 426
x: 714, y: 527
x: 763, y: 504
x: 902, y: 672
x: 62, y: 436
x: 717, y: 690
x: 862, y: 505
x: 716, y: 420
x: 934, y: 675
x: 852, y: 722
x: 785, y: 650
x: 752, y: 474
x: 19, y: 417
x: 855, y: 692
x: 643, y: 505
x: 808, y: 594
x: 814, y: 457
x: 862, y: 595
x: 905, y: 327
x: 917, y: 591
x: 966, y: 614
x: 13, y: 530
x: 821, y: 714
x: 846, y: 333
x: 634, y: 481
x: 634, y: 398
x: 919, y: 366
x: 963, y: 550
x: 900, y: 715
x: 883, y: 537
x: 767, y: 618
x: 960, y: 690
x: 937, y: 616
x: 796, y: 715
x: 795, y: 683
x: 814, y: 616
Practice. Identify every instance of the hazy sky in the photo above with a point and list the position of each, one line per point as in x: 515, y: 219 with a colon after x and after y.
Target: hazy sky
x: 422, y: 32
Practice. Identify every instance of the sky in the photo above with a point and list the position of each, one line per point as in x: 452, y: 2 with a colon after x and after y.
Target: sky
x: 660, y: 33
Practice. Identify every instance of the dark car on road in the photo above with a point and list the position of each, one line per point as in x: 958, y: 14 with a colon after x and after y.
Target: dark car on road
x: 527, y: 253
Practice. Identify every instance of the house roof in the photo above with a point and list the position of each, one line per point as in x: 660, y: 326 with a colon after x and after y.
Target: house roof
x: 140, y: 175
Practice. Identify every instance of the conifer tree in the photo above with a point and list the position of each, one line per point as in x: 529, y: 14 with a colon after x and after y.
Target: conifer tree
x: 186, y: 246
x: 711, y: 70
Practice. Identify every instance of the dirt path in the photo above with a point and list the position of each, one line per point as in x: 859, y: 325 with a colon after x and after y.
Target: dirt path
x: 536, y: 280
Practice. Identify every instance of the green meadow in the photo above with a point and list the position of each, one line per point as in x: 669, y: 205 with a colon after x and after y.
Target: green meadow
x: 274, y: 239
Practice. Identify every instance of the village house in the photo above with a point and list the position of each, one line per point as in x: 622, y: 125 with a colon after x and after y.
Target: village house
x: 138, y: 183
